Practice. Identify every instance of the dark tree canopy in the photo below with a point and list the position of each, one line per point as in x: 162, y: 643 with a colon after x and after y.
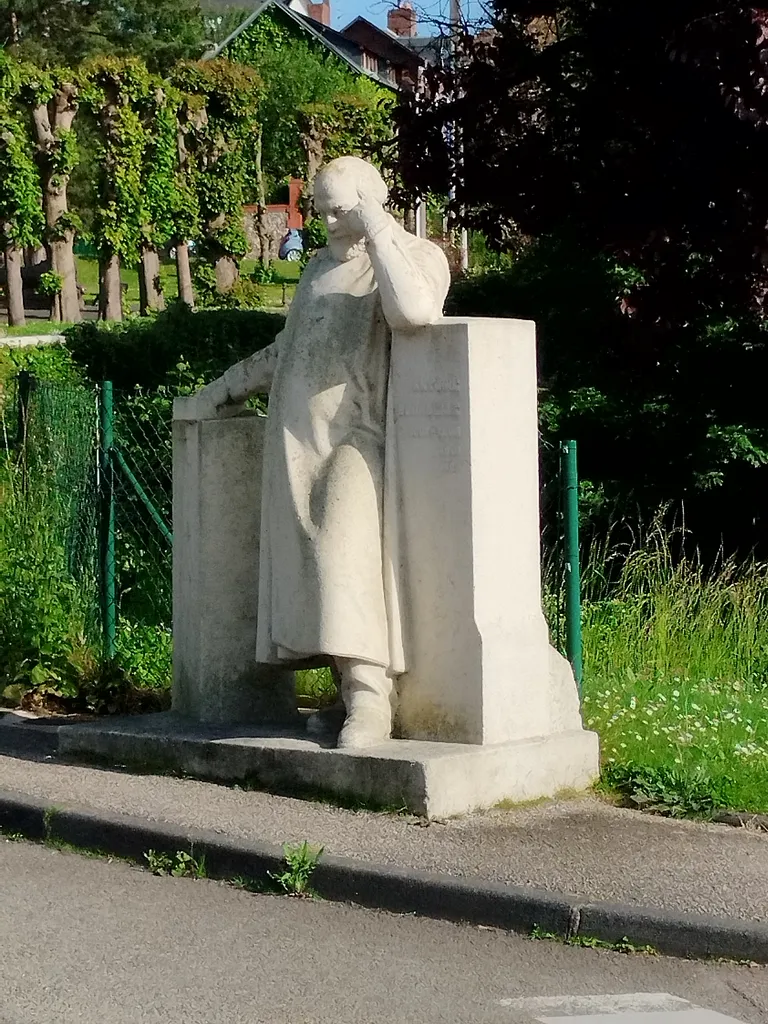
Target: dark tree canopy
x: 641, y: 124
x: 69, y: 31
x: 629, y: 141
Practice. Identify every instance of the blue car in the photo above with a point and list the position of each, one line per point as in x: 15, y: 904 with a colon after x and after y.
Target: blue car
x: 292, y: 246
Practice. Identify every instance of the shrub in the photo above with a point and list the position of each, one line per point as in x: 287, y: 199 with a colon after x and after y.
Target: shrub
x: 48, y: 362
x: 148, y: 351
x: 663, y: 412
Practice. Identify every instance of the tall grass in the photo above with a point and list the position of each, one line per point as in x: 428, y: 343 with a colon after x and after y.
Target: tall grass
x: 44, y: 608
x: 676, y: 669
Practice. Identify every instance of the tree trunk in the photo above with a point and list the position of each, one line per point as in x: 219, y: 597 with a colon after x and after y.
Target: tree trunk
x: 261, y: 209
x: 313, y: 143
x: 184, y: 275
x: 150, y: 288
x: 14, y: 287
x: 227, y: 273
x: 66, y: 305
x: 110, y: 289
x: 52, y: 122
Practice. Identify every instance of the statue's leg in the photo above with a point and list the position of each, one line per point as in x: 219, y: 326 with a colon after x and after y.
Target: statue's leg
x: 367, y: 693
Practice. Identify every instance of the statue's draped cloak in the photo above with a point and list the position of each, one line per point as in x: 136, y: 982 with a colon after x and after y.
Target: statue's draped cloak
x: 330, y: 572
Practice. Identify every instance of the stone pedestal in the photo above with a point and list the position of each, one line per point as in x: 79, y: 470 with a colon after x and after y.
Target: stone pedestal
x: 216, y: 519
x: 480, y: 668
x: 488, y: 711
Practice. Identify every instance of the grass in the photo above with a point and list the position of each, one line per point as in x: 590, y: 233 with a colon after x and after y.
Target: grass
x: 34, y: 327
x: 676, y: 676
x: 316, y: 687
x: 272, y: 294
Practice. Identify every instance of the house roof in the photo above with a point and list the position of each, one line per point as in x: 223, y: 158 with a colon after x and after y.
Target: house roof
x: 344, y: 49
x: 385, y: 32
x: 431, y: 49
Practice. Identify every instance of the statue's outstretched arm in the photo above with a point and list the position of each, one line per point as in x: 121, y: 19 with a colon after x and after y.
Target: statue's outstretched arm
x: 225, y: 395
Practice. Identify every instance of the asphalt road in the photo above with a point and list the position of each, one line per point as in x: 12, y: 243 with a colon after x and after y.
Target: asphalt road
x: 103, y: 942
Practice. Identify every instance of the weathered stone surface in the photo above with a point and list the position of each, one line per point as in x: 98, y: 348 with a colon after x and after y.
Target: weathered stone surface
x: 433, y: 779
x: 216, y: 516
x: 464, y: 414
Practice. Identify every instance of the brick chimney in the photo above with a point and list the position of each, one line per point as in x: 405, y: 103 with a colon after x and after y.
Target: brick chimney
x: 321, y: 12
x: 401, y: 20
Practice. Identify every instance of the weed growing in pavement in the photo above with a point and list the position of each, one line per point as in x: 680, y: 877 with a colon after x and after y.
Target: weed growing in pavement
x: 82, y: 851
x: 48, y: 815
x: 301, y: 861
x: 182, y: 865
x: 250, y: 884
x: 591, y: 942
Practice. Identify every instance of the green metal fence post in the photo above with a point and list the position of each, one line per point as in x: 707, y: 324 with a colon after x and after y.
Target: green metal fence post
x: 107, y: 532
x: 24, y: 384
x: 570, y: 483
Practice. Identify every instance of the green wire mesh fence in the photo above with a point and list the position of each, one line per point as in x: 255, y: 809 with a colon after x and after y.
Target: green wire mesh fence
x: 86, y: 536
x: 141, y: 464
x: 85, y: 540
x: 49, y: 612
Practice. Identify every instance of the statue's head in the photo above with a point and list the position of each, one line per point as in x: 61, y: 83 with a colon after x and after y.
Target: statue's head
x: 339, y: 187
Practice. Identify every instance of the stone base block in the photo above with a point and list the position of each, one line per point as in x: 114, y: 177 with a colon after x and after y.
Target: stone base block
x: 432, y: 779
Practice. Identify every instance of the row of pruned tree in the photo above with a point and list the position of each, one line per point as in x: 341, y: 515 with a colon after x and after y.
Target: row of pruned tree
x: 171, y: 168
x: 176, y: 157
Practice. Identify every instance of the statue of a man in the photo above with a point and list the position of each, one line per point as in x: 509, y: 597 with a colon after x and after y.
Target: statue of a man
x: 323, y: 583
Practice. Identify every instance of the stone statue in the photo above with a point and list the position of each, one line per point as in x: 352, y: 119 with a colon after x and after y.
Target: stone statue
x: 323, y: 584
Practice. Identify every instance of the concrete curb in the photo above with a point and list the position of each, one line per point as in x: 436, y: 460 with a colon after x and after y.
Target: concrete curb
x: 399, y: 890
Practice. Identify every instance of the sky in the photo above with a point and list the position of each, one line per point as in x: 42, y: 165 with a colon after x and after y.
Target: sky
x: 344, y: 11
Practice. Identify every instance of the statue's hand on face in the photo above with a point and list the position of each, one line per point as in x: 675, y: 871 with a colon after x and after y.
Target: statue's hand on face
x: 367, y: 218
x: 348, y: 215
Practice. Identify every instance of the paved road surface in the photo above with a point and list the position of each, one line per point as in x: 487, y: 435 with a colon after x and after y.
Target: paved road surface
x: 103, y: 942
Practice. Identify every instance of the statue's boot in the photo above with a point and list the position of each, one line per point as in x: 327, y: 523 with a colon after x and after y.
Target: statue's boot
x: 367, y: 693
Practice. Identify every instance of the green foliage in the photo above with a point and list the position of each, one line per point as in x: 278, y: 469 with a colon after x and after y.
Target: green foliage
x: 355, y: 124
x: 298, y: 72
x: 182, y: 865
x: 591, y: 942
x: 63, y: 156
x: 316, y: 686
x: 301, y: 861
x: 52, y: 34
x: 21, y: 214
x: 116, y: 91
x: 315, y: 237
x: 45, y: 605
x: 246, y: 293
x: 50, y: 283
x: 217, y: 117
x: 144, y: 649
x: 174, y: 349
x: 48, y: 362
x: 676, y: 674
x: 682, y: 419
x: 667, y: 790
x: 172, y: 210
